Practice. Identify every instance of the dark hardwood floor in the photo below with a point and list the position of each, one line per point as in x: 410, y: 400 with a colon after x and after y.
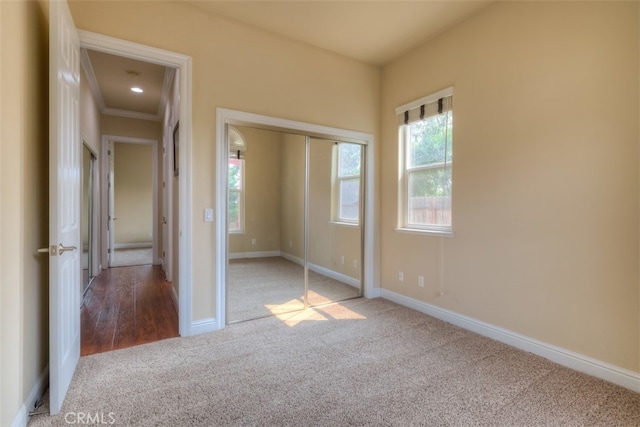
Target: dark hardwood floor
x: 127, y: 306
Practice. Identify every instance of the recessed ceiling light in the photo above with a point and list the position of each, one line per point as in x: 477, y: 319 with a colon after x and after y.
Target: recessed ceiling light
x: 136, y: 89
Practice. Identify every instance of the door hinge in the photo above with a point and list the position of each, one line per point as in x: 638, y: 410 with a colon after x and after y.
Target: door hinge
x: 108, y: 250
x: 108, y: 152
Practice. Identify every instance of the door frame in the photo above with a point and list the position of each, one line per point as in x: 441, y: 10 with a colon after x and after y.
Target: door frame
x: 107, y: 237
x: 226, y: 117
x: 114, y: 46
x: 94, y: 212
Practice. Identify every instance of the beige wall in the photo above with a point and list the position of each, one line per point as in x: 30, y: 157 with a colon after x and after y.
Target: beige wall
x: 292, y: 189
x: 262, y: 192
x: 133, y: 193
x: 23, y: 202
x: 131, y: 128
x: 545, y: 171
x: 245, y: 69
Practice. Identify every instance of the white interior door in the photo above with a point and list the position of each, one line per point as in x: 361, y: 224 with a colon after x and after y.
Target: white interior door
x: 64, y: 202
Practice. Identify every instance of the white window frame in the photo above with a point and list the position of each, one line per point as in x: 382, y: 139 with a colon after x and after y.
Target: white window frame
x: 404, y: 171
x: 337, y: 188
x: 241, y: 193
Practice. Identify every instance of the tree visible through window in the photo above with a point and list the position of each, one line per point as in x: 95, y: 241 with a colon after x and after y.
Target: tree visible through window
x: 426, y: 163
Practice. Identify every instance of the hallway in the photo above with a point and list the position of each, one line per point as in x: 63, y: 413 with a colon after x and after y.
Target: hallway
x: 127, y: 306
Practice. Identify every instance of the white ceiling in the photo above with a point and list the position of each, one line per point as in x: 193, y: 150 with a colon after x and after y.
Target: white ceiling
x: 111, y: 78
x: 374, y: 32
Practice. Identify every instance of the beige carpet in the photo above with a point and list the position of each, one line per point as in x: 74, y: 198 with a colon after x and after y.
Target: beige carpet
x: 357, y: 363
x: 259, y: 287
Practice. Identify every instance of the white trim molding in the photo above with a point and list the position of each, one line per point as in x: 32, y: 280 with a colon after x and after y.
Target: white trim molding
x: 258, y: 254
x: 332, y: 274
x: 335, y: 275
x: 205, y: 325
x: 570, y: 359
x: 138, y: 245
x: 22, y: 417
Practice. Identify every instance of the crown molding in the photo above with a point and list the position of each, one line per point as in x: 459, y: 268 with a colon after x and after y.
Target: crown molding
x: 87, y: 66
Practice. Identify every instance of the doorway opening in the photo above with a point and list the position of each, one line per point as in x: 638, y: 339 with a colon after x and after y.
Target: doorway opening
x: 143, y: 205
x: 132, y: 202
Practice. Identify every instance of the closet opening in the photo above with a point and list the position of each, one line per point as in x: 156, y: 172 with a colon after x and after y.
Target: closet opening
x: 294, y: 212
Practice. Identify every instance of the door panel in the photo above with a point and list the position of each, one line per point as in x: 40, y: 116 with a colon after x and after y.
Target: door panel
x: 64, y: 203
x: 334, y: 258
x: 265, y: 272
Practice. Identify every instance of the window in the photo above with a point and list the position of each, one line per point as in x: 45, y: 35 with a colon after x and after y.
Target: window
x: 347, y: 182
x: 426, y: 163
x: 235, y: 180
x: 236, y: 196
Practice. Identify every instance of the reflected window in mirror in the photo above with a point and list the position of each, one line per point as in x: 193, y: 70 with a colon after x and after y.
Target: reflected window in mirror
x: 236, y: 196
x: 346, y: 185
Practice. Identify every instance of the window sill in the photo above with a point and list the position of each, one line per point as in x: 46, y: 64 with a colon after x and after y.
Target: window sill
x: 345, y: 224
x: 435, y: 233
x: 238, y: 233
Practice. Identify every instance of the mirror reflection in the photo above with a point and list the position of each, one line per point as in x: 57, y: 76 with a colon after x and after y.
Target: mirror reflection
x: 265, y: 223
x: 335, y: 234
x: 272, y: 237
x: 88, y: 169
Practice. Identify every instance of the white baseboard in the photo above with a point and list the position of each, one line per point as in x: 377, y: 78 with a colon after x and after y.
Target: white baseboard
x: 22, y: 417
x: 258, y: 254
x: 292, y: 258
x: 203, y: 326
x: 343, y: 278
x: 139, y: 245
x: 374, y: 293
x: 579, y: 362
x: 347, y: 280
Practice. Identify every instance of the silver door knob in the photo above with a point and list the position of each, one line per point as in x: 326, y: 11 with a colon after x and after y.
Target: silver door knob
x: 59, y: 250
x: 62, y: 249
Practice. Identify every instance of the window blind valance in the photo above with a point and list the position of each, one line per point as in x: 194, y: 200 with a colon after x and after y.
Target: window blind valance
x: 437, y: 103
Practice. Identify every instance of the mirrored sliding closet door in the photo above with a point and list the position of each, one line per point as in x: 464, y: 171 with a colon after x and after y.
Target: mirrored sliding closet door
x: 294, y: 222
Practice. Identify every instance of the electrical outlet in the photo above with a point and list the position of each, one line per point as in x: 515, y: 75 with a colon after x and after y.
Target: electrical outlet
x: 290, y: 244
x: 253, y: 241
x: 421, y: 281
x: 355, y: 263
x: 208, y: 215
x: 401, y: 276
